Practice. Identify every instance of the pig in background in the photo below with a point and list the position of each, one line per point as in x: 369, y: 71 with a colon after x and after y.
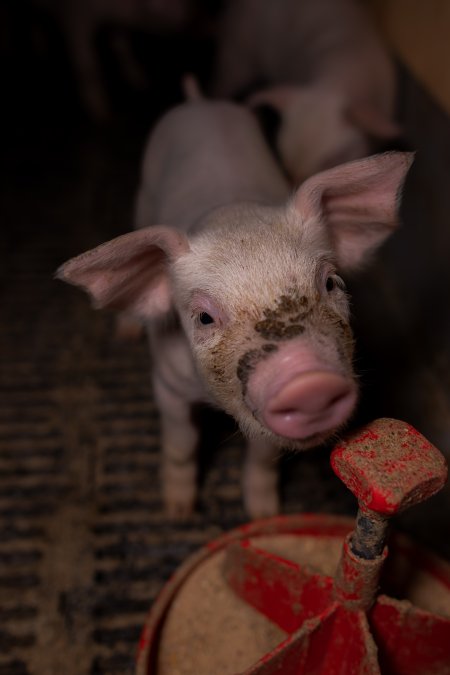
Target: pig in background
x: 322, y: 66
x: 239, y: 286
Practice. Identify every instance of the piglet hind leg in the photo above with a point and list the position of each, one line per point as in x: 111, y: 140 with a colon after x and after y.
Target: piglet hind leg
x: 179, y: 441
x: 260, y: 479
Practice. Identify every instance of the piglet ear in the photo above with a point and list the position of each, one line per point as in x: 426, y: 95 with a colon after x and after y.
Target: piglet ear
x: 129, y: 272
x: 358, y: 202
x: 372, y: 121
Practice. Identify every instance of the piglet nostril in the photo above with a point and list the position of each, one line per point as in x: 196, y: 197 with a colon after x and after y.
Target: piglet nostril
x: 338, y: 397
x: 288, y: 411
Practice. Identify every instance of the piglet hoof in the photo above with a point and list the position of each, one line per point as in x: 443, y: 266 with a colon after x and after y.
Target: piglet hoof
x: 260, y: 490
x: 179, y: 506
x: 179, y: 485
x: 262, y: 503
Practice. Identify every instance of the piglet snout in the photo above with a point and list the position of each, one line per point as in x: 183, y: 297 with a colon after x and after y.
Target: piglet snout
x: 310, y: 403
x: 297, y: 395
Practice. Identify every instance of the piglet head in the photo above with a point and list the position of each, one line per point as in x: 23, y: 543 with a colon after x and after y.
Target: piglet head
x: 319, y: 130
x: 263, y: 303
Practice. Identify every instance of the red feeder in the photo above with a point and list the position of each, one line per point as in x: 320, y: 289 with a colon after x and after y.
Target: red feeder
x: 302, y: 620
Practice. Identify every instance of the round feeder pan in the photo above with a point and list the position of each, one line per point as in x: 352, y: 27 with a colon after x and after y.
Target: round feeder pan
x: 317, y: 595
x: 211, y: 618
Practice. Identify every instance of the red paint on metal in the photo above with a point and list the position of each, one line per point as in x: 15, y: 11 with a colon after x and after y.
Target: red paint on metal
x: 410, y: 641
x: 335, y: 637
x: 290, y: 656
x: 283, y: 591
x: 349, y: 650
x: 338, y: 644
x: 356, y: 580
x: 389, y: 466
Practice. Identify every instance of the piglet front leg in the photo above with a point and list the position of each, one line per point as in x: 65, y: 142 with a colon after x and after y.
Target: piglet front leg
x: 260, y: 479
x: 179, y: 441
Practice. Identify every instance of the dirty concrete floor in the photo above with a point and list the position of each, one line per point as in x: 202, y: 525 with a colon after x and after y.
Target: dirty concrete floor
x: 84, y: 543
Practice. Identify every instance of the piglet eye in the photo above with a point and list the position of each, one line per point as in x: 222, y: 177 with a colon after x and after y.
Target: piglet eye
x: 334, y: 281
x: 205, y: 319
x: 330, y: 284
x: 207, y: 315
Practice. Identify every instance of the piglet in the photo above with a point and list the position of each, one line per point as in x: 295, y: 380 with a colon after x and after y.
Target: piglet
x: 322, y: 67
x: 239, y: 285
